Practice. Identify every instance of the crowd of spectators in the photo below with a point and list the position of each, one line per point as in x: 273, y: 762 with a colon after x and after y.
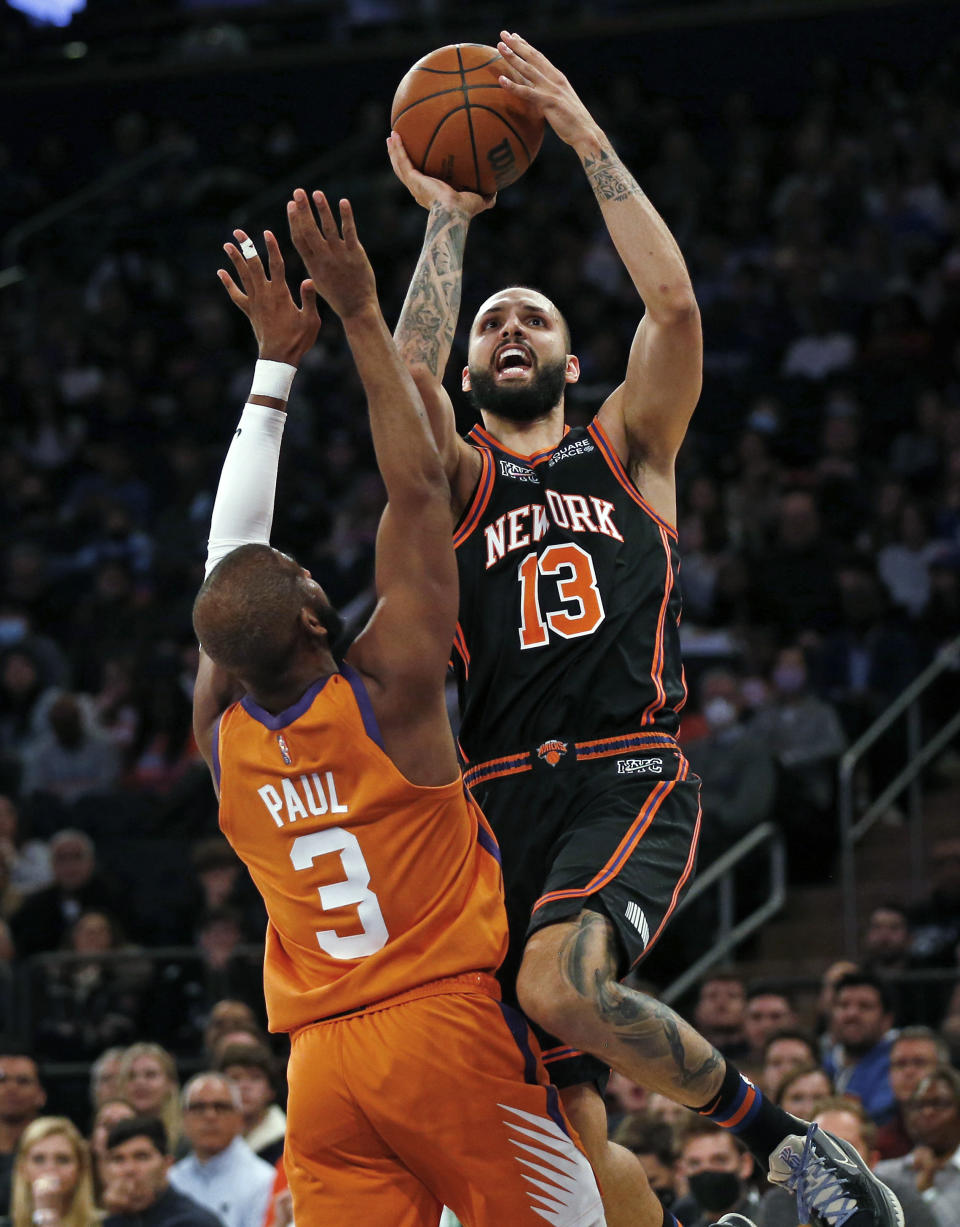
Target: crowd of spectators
x: 819, y: 520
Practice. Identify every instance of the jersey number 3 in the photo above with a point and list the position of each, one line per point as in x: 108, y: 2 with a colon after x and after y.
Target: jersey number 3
x: 576, y: 584
x: 353, y: 891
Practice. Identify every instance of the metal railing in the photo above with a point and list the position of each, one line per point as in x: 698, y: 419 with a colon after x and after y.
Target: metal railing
x: 853, y: 829
x: 731, y: 932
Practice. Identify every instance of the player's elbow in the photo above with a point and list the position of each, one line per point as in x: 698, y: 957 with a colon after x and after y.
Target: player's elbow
x: 677, y: 309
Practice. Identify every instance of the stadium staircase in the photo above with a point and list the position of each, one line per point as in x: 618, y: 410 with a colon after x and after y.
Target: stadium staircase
x: 807, y: 935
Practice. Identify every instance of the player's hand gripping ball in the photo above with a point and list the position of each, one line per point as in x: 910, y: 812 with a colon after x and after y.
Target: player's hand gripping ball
x: 460, y: 125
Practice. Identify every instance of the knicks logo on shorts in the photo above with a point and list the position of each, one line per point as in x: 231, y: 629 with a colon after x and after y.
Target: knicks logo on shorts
x: 552, y: 751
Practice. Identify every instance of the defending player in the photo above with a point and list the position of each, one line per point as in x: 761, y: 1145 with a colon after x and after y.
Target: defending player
x: 339, y: 787
x: 567, y: 655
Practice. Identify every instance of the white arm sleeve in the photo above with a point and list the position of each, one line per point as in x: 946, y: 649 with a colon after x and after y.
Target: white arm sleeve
x: 243, y: 509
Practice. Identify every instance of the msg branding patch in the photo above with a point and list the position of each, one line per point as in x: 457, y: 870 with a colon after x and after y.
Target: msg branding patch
x: 518, y: 472
x: 639, y: 766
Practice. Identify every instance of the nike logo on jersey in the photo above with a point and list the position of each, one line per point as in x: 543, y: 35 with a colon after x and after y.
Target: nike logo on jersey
x: 523, y: 526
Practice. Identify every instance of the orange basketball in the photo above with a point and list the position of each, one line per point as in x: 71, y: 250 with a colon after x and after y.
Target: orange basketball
x: 458, y: 124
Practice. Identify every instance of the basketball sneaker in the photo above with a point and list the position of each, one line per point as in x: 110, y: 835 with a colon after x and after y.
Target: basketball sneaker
x: 832, y: 1183
x: 734, y: 1220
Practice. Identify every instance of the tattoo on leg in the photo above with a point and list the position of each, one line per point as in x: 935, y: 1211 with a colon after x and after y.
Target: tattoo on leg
x: 655, y: 1045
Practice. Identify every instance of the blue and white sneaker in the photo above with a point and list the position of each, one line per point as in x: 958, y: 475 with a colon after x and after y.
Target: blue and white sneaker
x: 832, y: 1183
x: 734, y: 1220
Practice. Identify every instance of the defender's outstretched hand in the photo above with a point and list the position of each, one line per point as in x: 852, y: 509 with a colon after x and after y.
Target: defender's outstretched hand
x: 529, y: 74
x: 427, y: 191
x: 337, y: 263
x: 283, y: 330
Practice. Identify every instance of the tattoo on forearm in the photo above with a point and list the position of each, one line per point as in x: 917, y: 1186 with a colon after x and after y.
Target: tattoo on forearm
x: 653, y: 1037
x: 429, y: 316
x: 610, y: 179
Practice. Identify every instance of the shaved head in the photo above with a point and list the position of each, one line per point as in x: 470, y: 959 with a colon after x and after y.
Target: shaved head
x: 247, y: 615
x: 534, y: 298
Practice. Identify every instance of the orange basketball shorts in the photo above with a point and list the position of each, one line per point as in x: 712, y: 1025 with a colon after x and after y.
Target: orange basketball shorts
x: 439, y: 1097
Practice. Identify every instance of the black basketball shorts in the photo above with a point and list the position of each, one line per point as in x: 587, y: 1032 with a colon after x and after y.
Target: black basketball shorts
x: 615, y: 832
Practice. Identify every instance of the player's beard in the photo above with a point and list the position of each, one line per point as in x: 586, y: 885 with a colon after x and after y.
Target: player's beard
x: 519, y: 402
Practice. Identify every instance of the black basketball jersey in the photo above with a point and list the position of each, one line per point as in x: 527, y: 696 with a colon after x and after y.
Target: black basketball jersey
x: 569, y: 601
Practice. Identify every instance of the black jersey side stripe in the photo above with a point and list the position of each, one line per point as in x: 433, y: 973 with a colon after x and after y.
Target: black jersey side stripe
x: 481, y: 497
x: 659, y: 699
x: 626, y: 847
x: 596, y: 431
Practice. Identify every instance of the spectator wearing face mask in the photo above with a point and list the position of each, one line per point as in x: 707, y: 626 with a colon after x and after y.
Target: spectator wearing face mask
x: 738, y: 774
x: 718, y: 1170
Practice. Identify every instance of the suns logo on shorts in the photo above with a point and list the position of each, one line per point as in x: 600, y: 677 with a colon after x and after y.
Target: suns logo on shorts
x: 552, y: 751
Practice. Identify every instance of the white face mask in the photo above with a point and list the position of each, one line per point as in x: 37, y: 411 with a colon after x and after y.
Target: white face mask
x: 719, y: 713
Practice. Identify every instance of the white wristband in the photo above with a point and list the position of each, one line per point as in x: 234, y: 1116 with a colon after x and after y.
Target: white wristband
x: 272, y: 379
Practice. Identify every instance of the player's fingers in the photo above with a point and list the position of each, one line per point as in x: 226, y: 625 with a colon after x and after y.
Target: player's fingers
x: 327, y: 224
x: 238, y: 262
x: 274, y: 256
x: 348, y: 223
x: 522, y: 91
x: 530, y: 54
x: 248, y: 250
x: 303, y: 226
x: 308, y: 299
x: 237, y: 297
x: 515, y: 66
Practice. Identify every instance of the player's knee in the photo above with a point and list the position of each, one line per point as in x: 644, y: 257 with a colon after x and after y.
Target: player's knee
x: 556, y: 1005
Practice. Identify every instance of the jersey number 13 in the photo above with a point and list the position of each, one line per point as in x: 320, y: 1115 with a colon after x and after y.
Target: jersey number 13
x: 576, y: 587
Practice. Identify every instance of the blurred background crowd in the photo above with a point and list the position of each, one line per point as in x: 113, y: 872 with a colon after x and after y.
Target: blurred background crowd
x: 817, y: 201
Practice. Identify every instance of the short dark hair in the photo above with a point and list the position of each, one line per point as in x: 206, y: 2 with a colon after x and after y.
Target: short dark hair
x: 765, y: 988
x: 790, y: 1033
x: 150, y: 1127
x: 864, y: 979
x: 247, y: 612
x: 253, y: 1055
x: 645, y: 1135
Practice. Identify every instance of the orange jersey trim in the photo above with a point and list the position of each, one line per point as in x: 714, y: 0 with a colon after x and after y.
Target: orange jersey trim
x: 533, y: 459
x: 626, y: 847
x: 687, y: 870
x: 584, y: 751
x: 481, y: 497
x: 656, y: 669
x: 600, y: 437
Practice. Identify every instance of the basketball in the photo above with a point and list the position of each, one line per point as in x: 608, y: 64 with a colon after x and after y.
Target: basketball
x: 458, y: 124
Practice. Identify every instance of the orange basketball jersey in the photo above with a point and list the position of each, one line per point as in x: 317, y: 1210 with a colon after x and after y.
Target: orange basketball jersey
x: 373, y: 886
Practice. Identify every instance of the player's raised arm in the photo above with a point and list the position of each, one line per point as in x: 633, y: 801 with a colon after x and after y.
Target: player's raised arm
x: 425, y: 331
x: 411, y: 632
x: 663, y: 379
x: 243, y: 509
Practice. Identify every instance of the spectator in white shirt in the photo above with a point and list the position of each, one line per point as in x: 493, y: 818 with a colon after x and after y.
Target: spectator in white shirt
x: 933, y: 1166
x: 221, y: 1172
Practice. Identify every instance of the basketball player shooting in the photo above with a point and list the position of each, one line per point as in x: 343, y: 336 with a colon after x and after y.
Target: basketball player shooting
x: 568, y: 659
x: 411, y: 1085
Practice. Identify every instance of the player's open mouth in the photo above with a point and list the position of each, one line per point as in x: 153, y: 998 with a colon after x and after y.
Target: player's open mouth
x: 513, y: 361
